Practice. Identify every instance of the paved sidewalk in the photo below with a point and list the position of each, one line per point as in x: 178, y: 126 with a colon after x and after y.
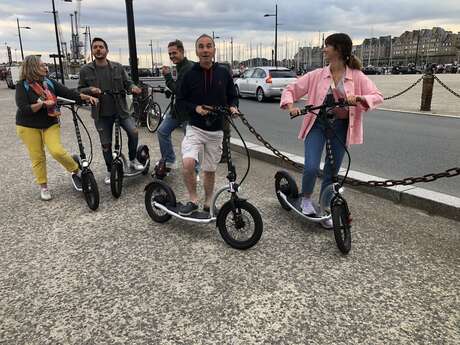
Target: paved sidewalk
x: 72, y: 276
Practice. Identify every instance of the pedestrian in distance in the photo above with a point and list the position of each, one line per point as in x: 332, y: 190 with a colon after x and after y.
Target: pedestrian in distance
x: 342, y: 78
x: 37, y: 120
x: 101, y: 78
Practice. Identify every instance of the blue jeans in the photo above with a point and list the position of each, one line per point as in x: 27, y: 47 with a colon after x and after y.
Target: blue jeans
x: 167, y: 126
x: 104, y: 126
x: 314, y: 145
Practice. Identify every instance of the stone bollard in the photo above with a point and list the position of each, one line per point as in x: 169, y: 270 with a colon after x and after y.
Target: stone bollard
x: 427, y: 91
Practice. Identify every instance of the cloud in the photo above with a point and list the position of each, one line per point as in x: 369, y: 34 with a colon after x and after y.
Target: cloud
x: 161, y: 21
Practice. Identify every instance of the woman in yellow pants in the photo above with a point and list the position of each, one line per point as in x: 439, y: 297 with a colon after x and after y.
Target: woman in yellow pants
x: 37, y: 122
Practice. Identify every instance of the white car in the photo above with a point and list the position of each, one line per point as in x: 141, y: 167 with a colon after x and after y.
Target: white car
x: 74, y: 76
x: 264, y: 82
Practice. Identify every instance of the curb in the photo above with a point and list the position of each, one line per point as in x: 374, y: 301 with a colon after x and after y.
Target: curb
x: 415, y: 112
x: 432, y: 202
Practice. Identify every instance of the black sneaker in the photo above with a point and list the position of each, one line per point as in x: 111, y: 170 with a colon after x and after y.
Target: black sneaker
x: 76, y: 181
x: 188, y: 209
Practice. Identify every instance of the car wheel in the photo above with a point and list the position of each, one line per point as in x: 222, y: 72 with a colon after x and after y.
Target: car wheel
x: 260, y: 95
x: 237, y: 91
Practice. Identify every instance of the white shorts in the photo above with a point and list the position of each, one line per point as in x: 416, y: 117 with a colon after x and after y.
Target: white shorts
x: 197, y: 140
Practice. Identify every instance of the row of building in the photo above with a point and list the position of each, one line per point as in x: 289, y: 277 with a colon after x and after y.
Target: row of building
x: 420, y: 47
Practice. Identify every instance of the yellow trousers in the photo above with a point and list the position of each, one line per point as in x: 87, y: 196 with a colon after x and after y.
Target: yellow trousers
x: 35, y: 140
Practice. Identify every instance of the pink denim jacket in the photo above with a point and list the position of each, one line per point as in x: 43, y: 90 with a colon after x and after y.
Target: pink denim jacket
x: 315, y: 85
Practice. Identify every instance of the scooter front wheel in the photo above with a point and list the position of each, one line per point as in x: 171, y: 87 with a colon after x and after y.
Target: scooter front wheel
x: 240, y: 225
x: 116, y: 177
x: 161, y: 193
x: 341, y: 221
x: 90, y: 190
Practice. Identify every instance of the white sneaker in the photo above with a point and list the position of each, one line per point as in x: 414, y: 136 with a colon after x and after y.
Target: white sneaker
x: 107, y: 178
x: 45, y: 194
x: 307, y: 207
x: 197, y: 177
x: 134, y: 164
x: 327, y: 224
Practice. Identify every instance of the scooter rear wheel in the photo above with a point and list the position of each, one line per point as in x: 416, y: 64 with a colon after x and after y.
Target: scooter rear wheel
x: 341, y: 221
x: 285, y: 183
x: 159, y: 192
x: 90, y: 190
x: 241, y: 227
x: 116, y: 177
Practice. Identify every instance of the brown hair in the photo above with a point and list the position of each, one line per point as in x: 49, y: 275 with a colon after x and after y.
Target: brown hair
x: 205, y: 35
x: 342, y: 42
x: 30, y: 68
x: 98, y: 39
x: 178, y: 44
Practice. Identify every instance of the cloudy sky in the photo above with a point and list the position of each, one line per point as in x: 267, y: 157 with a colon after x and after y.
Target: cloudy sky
x: 300, y: 23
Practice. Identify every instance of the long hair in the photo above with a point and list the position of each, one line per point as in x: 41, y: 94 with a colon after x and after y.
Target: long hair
x: 30, y: 69
x: 342, y: 42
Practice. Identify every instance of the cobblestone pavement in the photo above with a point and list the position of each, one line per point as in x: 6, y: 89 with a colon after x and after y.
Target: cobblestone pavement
x: 72, y: 276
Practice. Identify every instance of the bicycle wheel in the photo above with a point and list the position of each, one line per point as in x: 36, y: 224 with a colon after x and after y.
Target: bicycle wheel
x: 90, y: 190
x: 240, y: 227
x: 159, y: 192
x: 116, y: 177
x: 285, y: 184
x: 153, y: 116
x: 341, y: 221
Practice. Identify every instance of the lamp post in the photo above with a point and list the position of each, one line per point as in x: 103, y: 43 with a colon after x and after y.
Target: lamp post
x: 20, y: 40
x: 151, y: 55
x: 61, y: 68
x: 276, y: 32
x: 214, y: 38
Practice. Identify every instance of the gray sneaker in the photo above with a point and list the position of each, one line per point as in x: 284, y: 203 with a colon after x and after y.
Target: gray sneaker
x: 135, y: 165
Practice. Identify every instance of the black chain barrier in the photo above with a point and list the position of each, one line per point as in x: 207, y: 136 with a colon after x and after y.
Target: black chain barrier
x: 387, y: 183
x: 446, y: 87
x: 404, y: 91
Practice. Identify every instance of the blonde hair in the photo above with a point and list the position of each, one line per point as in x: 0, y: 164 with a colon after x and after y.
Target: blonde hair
x: 30, y: 68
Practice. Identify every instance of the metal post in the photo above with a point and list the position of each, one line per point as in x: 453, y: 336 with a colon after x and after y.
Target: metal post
x: 151, y: 55
x: 427, y: 91
x: 132, y: 41
x: 58, y: 44
x: 20, y: 40
x: 276, y: 35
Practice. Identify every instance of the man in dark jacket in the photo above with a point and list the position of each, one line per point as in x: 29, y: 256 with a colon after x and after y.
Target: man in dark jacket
x: 99, y: 79
x: 175, y: 118
x: 207, y: 84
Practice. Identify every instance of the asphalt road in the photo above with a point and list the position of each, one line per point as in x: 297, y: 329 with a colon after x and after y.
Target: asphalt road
x: 396, y: 145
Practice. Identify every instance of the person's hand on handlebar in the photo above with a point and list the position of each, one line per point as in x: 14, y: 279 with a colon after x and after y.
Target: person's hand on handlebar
x: 89, y: 99
x: 95, y: 91
x: 293, y: 111
x: 234, y: 111
x: 165, y: 70
x: 136, y: 90
x: 354, y: 100
x: 200, y: 109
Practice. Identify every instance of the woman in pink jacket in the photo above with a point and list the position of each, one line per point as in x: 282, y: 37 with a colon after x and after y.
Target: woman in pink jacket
x: 344, y: 79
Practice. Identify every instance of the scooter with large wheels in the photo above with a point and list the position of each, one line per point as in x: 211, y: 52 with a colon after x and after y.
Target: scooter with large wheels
x: 239, y: 222
x: 120, y: 167
x: 89, y: 185
x: 290, y: 199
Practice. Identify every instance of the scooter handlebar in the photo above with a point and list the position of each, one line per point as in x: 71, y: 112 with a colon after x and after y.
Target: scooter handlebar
x: 341, y: 103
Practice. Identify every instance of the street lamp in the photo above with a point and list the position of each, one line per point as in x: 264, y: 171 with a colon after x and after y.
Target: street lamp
x: 20, y: 40
x: 276, y: 32
x: 213, y: 39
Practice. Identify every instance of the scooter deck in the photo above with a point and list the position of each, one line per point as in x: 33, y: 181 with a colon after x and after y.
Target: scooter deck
x: 194, y: 215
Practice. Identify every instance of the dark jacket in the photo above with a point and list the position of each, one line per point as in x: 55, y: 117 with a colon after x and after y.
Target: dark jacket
x: 25, y: 98
x: 206, y: 87
x: 120, y: 82
x: 182, y: 68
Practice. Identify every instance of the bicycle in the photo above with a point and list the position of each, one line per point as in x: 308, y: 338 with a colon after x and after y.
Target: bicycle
x: 147, y: 110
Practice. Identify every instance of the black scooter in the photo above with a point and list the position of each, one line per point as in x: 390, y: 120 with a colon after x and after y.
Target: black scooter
x: 239, y: 222
x: 89, y: 185
x: 287, y: 191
